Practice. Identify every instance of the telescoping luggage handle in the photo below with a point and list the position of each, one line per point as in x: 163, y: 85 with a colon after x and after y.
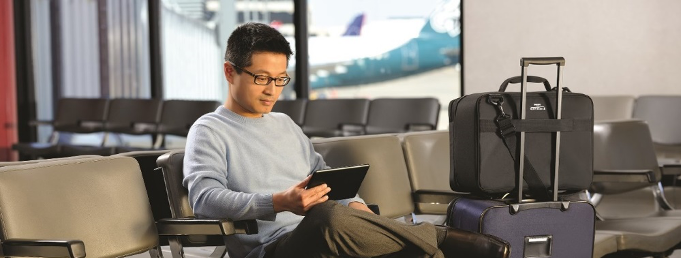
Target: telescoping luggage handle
x: 507, y: 130
x: 525, y: 62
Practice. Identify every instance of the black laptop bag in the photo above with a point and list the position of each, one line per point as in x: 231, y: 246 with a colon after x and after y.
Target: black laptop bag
x: 544, y: 226
x: 485, y: 129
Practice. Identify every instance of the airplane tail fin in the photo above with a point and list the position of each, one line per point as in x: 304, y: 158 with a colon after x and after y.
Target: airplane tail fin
x: 444, y: 21
x: 355, y: 27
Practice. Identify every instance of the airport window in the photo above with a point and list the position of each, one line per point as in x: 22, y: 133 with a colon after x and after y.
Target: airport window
x: 195, y: 36
x: 380, y: 48
x: 194, y: 39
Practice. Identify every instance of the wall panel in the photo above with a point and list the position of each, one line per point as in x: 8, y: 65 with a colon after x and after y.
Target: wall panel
x: 610, y: 46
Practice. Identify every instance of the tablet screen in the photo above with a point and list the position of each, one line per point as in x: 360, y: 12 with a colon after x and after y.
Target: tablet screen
x: 344, y: 181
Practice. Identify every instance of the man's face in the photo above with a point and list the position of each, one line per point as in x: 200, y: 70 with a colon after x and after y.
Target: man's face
x: 247, y: 98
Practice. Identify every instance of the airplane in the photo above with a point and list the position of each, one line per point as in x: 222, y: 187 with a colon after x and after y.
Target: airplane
x: 355, y: 27
x: 385, y: 50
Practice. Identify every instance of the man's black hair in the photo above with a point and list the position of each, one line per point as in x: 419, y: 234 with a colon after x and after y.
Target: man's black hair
x: 254, y: 37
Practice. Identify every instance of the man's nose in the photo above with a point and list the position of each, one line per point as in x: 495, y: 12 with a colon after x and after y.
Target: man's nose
x: 269, y: 88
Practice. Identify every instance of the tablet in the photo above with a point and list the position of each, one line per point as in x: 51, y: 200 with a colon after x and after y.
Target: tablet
x: 344, y: 181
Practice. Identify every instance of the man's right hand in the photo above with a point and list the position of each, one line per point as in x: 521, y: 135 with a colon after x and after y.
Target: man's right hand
x: 299, y: 200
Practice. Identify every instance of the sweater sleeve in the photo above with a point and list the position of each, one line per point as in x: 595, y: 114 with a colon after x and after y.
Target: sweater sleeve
x: 205, y: 176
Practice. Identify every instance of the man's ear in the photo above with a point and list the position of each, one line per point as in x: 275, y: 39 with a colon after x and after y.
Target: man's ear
x: 228, y: 69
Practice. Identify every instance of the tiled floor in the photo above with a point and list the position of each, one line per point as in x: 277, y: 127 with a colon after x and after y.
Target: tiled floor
x: 197, y: 252
x: 190, y: 252
x: 676, y: 254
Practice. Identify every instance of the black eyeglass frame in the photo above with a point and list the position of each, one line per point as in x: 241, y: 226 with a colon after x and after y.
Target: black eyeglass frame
x: 269, y: 79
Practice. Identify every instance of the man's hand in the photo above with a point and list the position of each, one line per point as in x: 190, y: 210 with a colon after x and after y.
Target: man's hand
x: 299, y: 200
x: 360, y: 206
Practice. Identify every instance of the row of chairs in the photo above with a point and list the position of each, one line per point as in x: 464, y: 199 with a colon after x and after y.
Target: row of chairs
x: 408, y: 178
x: 84, y: 205
x: 158, y: 119
x: 388, y: 184
x: 152, y: 117
x: 635, y: 218
x: 627, y: 192
x: 661, y: 113
x: 345, y: 117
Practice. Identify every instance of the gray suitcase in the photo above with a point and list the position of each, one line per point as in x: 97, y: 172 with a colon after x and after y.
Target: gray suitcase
x: 553, y: 228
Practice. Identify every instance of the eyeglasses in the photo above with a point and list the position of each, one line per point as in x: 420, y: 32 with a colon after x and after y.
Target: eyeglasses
x: 260, y: 79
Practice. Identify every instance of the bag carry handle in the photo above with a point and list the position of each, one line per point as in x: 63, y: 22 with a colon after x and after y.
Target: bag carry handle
x: 519, y: 79
x: 527, y: 61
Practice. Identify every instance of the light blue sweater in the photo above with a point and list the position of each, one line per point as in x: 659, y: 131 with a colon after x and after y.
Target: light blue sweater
x: 234, y: 164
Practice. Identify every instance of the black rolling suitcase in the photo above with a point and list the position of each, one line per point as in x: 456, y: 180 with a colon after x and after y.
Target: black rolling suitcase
x: 545, y: 226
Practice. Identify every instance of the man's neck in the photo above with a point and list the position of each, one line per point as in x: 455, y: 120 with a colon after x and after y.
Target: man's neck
x: 237, y: 109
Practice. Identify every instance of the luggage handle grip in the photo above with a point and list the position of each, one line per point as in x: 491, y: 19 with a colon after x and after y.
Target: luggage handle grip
x: 519, y: 79
x: 518, y: 207
x: 527, y: 61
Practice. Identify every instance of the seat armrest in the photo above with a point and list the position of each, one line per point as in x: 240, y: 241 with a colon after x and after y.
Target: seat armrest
x: 143, y: 127
x: 416, y: 127
x: 671, y: 169
x: 625, y: 176
x: 191, y: 226
x: 350, y: 129
x: 39, y: 122
x: 175, y: 130
x: 43, y: 248
x: 435, y: 196
x: 91, y: 124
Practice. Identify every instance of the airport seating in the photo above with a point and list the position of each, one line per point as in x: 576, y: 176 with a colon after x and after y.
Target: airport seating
x: 662, y: 115
x: 153, y: 183
x: 158, y: 119
x: 613, y: 107
x: 125, y: 116
x: 153, y: 180
x: 399, y: 115
x: 427, y: 158
x: 604, y: 243
x: 293, y: 108
x: 171, y: 165
x: 387, y: 181
x: 72, y: 115
x: 335, y: 117
x: 33, y: 161
x: 177, y: 116
x: 386, y: 184
x: 95, y: 206
x: 117, y: 117
x: 627, y: 193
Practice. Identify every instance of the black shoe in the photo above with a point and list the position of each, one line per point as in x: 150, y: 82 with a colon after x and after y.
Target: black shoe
x: 463, y: 244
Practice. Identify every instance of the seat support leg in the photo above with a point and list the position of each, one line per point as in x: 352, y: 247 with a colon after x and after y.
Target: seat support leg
x: 176, y: 250
x: 219, y: 252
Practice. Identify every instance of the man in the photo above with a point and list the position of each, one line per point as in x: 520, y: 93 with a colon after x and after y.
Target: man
x: 243, y: 162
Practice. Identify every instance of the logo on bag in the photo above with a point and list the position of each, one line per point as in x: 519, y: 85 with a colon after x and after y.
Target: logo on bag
x: 537, y: 106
